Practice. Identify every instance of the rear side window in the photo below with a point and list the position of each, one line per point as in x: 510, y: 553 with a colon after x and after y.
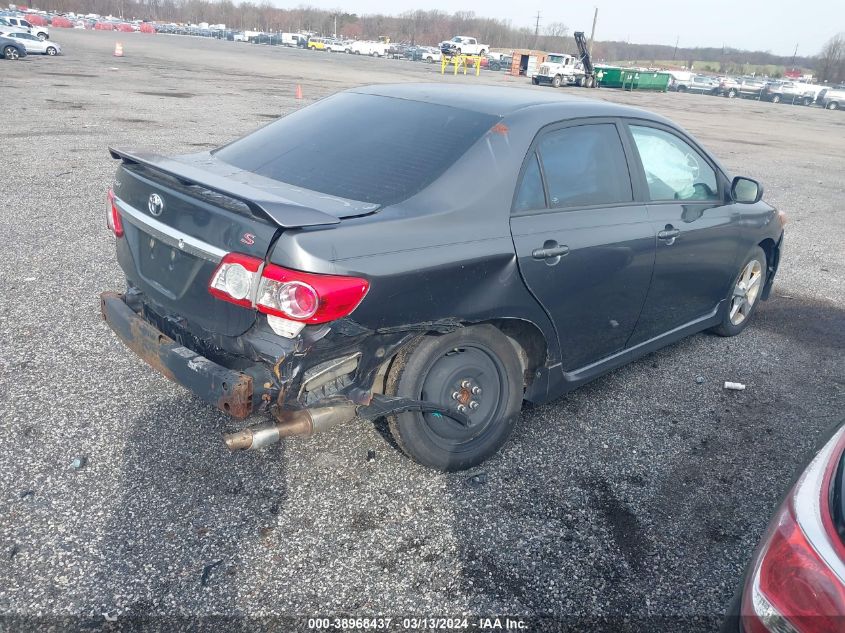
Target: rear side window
x: 584, y: 166
x: 362, y: 147
x: 530, y: 195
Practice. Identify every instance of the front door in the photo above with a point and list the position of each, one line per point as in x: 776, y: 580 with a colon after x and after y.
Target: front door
x: 585, y: 248
x: 697, y: 231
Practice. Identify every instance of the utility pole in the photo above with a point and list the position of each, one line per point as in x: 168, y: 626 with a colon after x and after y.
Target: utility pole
x: 675, y: 52
x: 537, y: 26
x: 795, y: 52
x: 335, y: 25
x: 593, y: 32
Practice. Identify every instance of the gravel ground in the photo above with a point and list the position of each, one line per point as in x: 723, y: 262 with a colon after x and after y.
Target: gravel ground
x: 640, y: 494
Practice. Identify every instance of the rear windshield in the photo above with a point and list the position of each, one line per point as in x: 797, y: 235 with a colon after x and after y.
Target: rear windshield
x: 361, y: 147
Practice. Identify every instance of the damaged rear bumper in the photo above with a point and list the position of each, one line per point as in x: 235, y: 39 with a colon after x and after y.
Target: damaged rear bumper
x: 230, y: 391
x: 241, y: 393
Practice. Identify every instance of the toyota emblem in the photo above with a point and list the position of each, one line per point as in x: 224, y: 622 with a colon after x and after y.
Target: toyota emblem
x: 155, y: 204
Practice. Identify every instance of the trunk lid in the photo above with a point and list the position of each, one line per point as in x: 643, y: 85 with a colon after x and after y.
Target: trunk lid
x: 181, y: 216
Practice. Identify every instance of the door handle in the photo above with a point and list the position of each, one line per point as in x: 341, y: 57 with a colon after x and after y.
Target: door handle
x: 550, y: 252
x: 669, y: 233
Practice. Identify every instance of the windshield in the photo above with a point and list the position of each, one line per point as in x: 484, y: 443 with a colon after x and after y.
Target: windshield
x: 406, y: 147
x: 555, y: 59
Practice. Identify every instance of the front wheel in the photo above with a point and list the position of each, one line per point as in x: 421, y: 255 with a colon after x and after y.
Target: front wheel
x: 833, y: 105
x: 744, y: 295
x: 474, y: 370
x: 807, y: 101
x: 535, y: 81
x: 776, y: 99
x: 51, y: 50
x: 10, y: 52
x: 42, y: 36
x: 557, y: 81
x: 731, y: 93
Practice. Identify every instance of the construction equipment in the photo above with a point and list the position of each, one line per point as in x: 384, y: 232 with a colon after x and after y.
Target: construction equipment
x: 589, y: 79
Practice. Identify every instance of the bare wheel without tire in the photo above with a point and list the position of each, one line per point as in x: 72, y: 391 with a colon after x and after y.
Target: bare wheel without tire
x: 744, y: 295
x: 474, y: 370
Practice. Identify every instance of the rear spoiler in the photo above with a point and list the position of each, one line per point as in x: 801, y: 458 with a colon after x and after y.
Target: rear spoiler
x: 285, y: 213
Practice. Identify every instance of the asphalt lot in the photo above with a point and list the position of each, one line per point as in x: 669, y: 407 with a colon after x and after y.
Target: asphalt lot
x: 642, y: 493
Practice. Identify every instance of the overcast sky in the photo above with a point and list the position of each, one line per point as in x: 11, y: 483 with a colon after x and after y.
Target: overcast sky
x: 773, y: 25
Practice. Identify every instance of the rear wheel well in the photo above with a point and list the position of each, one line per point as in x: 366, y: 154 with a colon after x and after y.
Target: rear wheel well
x: 527, y: 339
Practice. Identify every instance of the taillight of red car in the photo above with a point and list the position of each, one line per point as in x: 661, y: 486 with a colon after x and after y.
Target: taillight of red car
x: 113, y: 221
x: 282, y: 292
x: 797, y: 578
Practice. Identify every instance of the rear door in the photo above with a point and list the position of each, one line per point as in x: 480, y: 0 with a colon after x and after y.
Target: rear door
x: 585, y: 248
x: 697, y: 229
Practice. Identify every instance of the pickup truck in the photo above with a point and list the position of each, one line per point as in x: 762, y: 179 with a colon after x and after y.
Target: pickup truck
x: 749, y: 87
x: 463, y: 45
x: 14, y: 23
x: 558, y: 70
x: 696, y: 83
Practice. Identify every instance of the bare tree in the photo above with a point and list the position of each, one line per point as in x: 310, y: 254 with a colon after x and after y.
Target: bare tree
x: 556, y: 29
x: 831, y: 64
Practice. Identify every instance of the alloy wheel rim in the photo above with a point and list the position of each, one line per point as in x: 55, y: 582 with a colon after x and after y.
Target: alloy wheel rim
x: 746, y: 291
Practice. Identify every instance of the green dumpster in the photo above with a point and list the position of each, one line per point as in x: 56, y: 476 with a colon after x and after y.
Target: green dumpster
x: 632, y: 79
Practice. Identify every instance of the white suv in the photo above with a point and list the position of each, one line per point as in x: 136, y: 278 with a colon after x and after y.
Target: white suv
x: 21, y: 24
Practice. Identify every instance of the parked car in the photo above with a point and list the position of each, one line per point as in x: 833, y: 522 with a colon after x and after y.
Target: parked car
x: 832, y: 99
x: 790, y: 92
x: 11, y: 48
x: 34, y: 45
x: 396, y: 50
x: 697, y: 83
x: 315, y: 289
x: 40, y: 32
x: 337, y: 46
x: 430, y: 54
x: 317, y: 43
x: 795, y: 582
x: 463, y: 45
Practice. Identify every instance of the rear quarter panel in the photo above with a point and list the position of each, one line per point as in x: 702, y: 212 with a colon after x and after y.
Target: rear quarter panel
x: 445, y: 254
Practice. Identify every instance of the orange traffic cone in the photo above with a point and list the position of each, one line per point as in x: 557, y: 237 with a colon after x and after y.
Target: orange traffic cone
x: 298, y: 91
x: 118, y: 49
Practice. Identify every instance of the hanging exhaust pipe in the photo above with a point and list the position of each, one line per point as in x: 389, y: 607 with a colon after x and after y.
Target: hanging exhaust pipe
x: 299, y: 423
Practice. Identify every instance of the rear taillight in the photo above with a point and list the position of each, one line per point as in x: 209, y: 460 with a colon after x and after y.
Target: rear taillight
x: 797, y: 582
x: 236, y: 279
x: 113, y: 217
x: 281, y: 292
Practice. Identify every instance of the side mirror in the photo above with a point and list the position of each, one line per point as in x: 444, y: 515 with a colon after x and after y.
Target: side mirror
x: 746, y: 191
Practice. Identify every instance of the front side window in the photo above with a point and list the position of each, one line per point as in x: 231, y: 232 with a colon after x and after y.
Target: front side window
x: 673, y: 169
x: 584, y: 166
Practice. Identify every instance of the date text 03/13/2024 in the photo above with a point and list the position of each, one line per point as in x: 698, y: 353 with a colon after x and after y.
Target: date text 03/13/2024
x: 419, y: 624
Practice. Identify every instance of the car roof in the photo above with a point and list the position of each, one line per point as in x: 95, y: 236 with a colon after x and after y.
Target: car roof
x: 504, y: 101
